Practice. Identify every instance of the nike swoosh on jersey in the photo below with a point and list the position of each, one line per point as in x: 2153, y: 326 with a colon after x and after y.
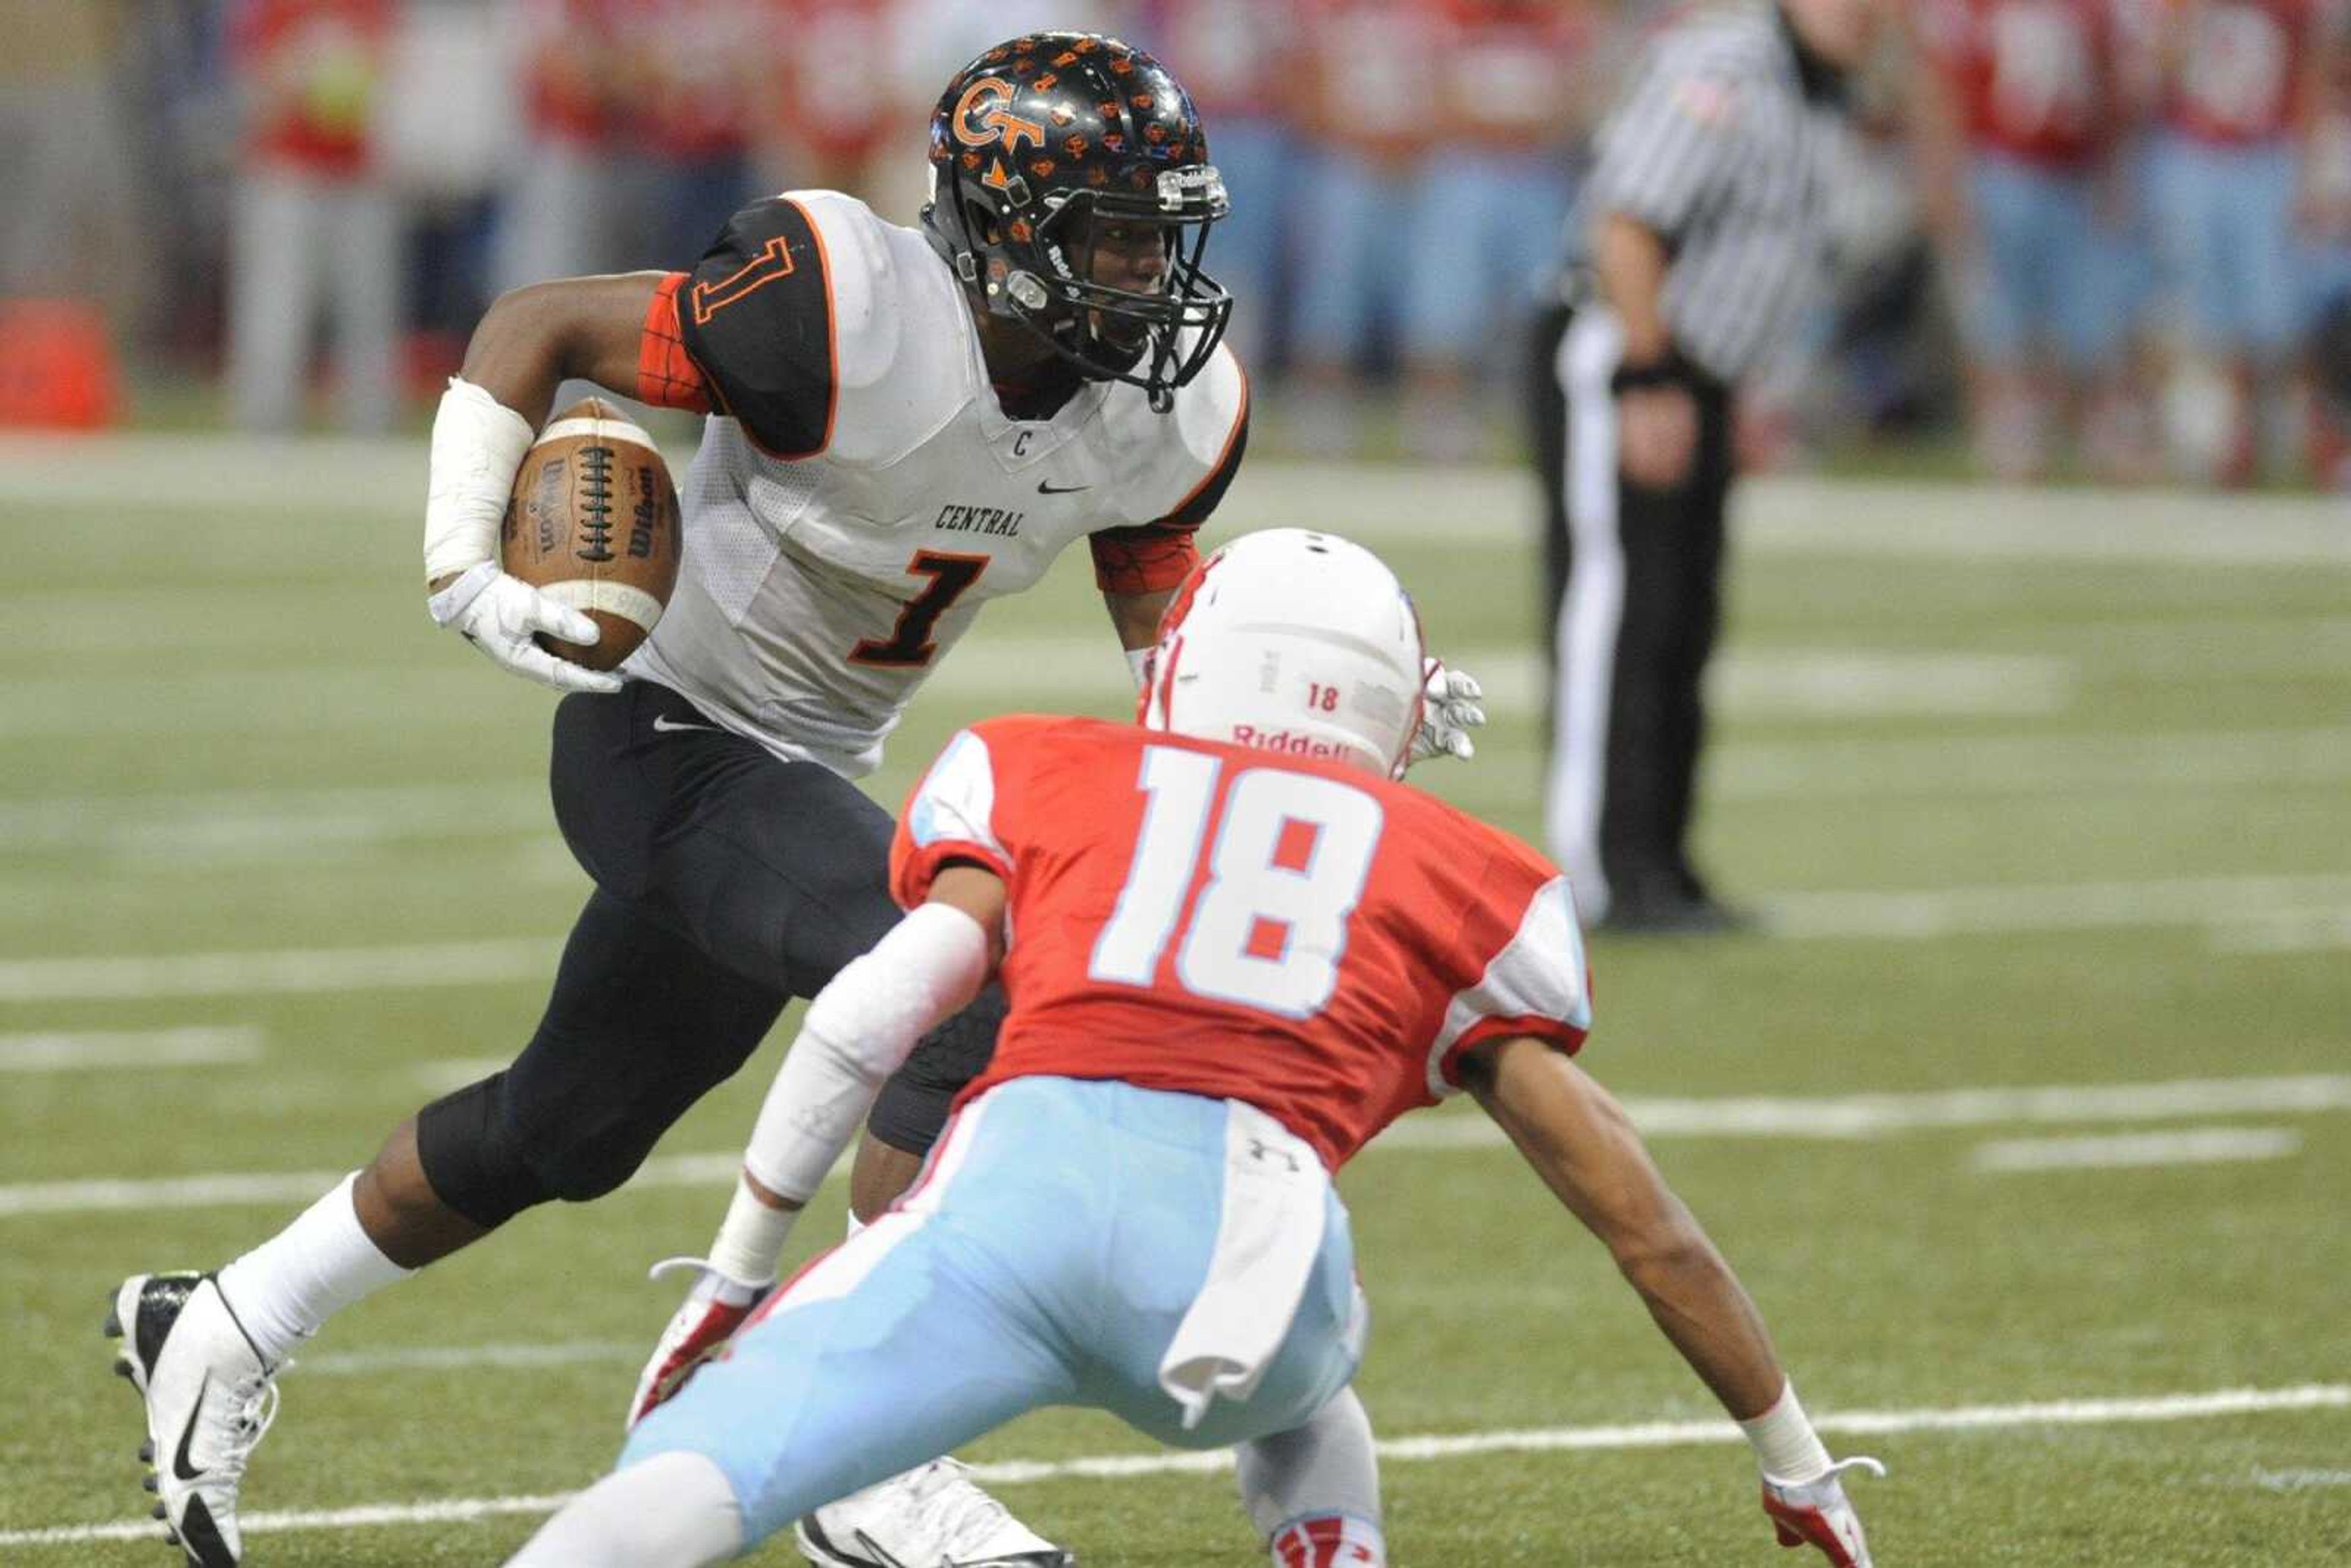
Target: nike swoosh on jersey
x: 663, y: 725
x: 180, y: 1466
x: 1046, y: 487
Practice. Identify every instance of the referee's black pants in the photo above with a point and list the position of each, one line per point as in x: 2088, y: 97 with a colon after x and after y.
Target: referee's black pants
x: 1634, y: 602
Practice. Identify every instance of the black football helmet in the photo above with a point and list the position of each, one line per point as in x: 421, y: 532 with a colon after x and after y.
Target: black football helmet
x: 1039, y: 144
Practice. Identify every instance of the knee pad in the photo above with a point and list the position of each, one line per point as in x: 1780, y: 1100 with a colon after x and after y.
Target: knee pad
x: 491, y: 1157
x: 472, y: 1161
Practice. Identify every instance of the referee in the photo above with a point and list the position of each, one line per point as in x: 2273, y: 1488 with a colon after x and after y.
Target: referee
x: 1701, y: 235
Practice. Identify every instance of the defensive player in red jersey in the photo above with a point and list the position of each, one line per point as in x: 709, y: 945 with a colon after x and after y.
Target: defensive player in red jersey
x: 1236, y: 948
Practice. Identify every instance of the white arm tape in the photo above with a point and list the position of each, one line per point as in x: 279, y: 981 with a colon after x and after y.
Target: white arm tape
x: 478, y: 442
x: 855, y: 1034
x: 1786, y: 1447
x: 750, y: 1242
x: 1138, y: 664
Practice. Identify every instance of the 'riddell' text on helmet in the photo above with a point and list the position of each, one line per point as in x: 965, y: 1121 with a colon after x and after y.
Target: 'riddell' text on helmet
x: 1293, y: 641
x: 1039, y: 146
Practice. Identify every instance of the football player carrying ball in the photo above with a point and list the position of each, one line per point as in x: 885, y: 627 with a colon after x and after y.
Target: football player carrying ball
x: 905, y: 424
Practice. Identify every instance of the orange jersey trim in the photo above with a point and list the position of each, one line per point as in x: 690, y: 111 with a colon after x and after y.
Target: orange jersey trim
x: 667, y: 376
x: 1224, y: 455
x: 831, y: 342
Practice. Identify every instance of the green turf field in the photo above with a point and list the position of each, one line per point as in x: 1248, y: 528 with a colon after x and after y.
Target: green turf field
x: 2030, y: 1128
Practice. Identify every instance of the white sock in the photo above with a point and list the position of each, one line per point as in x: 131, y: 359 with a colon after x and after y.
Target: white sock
x: 1313, y: 1493
x: 675, y: 1509
x: 1786, y: 1447
x: 284, y: 1289
x: 855, y: 1224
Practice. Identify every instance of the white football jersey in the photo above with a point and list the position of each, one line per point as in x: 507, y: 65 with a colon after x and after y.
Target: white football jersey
x: 859, y: 492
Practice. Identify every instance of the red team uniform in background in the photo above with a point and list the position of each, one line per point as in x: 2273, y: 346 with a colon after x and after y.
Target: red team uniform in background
x: 2239, y: 76
x: 1216, y: 920
x: 2035, y: 79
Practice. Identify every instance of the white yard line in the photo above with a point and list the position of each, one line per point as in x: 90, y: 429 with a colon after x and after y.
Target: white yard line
x: 152, y: 478
x: 242, y: 824
x: 240, y: 1189
x: 1061, y: 670
x: 2188, y: 902
x: 93, y: 1049
x: 2134, y: 1151
x: 2298, y: 1480
x: 245, y: 821
x: 2016, y: 764
x: 2027, y: 907
x: 462, y: 1358
x: 1831, y: 1118
x: 2286, y: 931
x: 1881, y: 1115
x: 280, y: 971
x: 2122, y: 1411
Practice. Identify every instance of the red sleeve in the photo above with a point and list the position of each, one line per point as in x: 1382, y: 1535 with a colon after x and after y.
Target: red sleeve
x: 1153, y: 558
x: 667, y: 376
x: 957, y: 813
x: 1150, y: 558
x: 1518, y: 953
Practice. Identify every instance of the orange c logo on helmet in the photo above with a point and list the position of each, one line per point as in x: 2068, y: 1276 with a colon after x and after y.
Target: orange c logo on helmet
x: 981, y: 117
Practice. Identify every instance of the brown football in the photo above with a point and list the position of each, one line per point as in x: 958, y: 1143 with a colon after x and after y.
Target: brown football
x: 592, y: 521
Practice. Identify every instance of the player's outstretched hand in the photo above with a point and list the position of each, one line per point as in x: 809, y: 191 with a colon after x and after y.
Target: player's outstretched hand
x: 1449, y: 712
x: 713, y: 1310
x: 501, y: 615
x: 1816, y: 1513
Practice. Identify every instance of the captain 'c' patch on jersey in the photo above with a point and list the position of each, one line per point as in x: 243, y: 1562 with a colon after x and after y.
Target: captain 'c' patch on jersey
x: 756, y: 317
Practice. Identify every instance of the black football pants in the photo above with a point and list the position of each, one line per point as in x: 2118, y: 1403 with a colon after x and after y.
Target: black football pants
x: 1633, y: 584
x: 727, y: 882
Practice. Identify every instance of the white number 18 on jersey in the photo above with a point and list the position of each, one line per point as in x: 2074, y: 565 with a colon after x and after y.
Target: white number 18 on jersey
x: 1287, y: 869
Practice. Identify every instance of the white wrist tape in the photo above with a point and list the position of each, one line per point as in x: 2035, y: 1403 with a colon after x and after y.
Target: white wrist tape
x: 478, y: 442
x: 1785, y: 1445
x: 855, y: 1034
x: 750, y: 1244
x: 1138, y: 664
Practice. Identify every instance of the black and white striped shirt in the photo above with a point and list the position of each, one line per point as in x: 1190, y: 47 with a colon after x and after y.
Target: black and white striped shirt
x: 1718, y: 150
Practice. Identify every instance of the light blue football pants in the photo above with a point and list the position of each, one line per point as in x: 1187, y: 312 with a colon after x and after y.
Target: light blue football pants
x: 1058, y: 1234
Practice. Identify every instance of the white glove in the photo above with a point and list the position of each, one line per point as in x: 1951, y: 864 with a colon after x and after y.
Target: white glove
x: 1449, y: 712
x: 713, y: 1310
x: 1815, y: 1513
x: 498, y: 614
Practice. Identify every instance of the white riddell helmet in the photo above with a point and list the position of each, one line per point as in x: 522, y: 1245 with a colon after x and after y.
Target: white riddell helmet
x: 1295, y: 642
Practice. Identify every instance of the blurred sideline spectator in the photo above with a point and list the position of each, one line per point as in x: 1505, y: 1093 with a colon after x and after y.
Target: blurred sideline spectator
x: 1238, y: 59
x: 690, y: 72
x: 2244, y: 82
x: 557, y: 219
x: 1368, y: 117
x: 2018, y: 112
x: 66, y: 184
x: 2140, y: 209
x: 1488, y: 205
x: 834, y: 119
x: 315, y: 228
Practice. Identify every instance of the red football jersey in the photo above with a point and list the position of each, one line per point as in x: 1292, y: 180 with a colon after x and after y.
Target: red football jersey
x: 2239, y: 76
x: 1505, y: 68
x: 1242, y: 924
x: 2035, y: 78
x: 314, y: 67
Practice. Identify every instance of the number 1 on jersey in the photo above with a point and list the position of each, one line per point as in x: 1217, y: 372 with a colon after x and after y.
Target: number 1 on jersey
x: 1287, y: 869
